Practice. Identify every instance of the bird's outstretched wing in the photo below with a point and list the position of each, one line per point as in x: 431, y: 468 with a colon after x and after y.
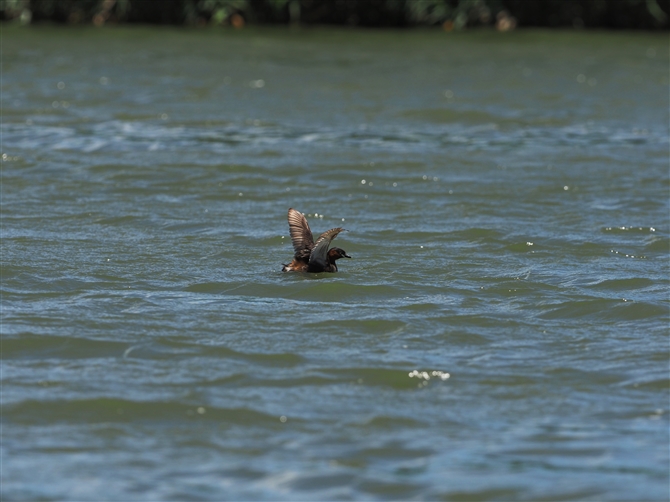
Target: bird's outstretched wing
x: 320, y: 250
x: 301, y: 235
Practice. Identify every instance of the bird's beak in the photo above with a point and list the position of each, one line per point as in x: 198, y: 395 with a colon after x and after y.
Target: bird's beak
x: 346, y: 255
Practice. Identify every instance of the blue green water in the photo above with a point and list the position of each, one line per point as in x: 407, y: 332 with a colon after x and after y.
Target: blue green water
x: 501, y: 332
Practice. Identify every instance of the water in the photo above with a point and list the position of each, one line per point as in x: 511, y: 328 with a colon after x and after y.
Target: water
x: 501, y: 332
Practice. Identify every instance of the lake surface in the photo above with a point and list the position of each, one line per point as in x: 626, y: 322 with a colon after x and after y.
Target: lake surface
x: 501, y: 332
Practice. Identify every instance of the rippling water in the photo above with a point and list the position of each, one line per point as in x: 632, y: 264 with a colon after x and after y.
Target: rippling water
x: 500, y: 333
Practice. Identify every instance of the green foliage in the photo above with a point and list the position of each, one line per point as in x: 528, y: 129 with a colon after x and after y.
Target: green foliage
x: 655, y: 10
x: 218, y: 11
x: 461, y: 13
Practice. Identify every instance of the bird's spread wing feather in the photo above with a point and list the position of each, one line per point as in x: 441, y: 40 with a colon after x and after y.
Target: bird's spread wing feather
x: 301, y: 235
x: 320, y: 250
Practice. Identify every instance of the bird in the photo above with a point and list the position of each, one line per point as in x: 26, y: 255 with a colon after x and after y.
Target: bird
x: 311, y: 256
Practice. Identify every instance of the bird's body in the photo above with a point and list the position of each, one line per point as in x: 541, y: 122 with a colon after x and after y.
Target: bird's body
x: 311, y: 256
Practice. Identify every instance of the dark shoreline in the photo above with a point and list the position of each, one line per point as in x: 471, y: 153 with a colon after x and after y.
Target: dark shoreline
x: 503, y: 15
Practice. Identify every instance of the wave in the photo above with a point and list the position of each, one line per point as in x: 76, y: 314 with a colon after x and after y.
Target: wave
x: 144, y: 135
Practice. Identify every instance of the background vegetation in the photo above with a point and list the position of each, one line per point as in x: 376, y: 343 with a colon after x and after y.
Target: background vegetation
x: 451, y: 14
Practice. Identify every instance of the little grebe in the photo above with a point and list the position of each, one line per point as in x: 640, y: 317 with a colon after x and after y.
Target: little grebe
x: 311, y: 256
